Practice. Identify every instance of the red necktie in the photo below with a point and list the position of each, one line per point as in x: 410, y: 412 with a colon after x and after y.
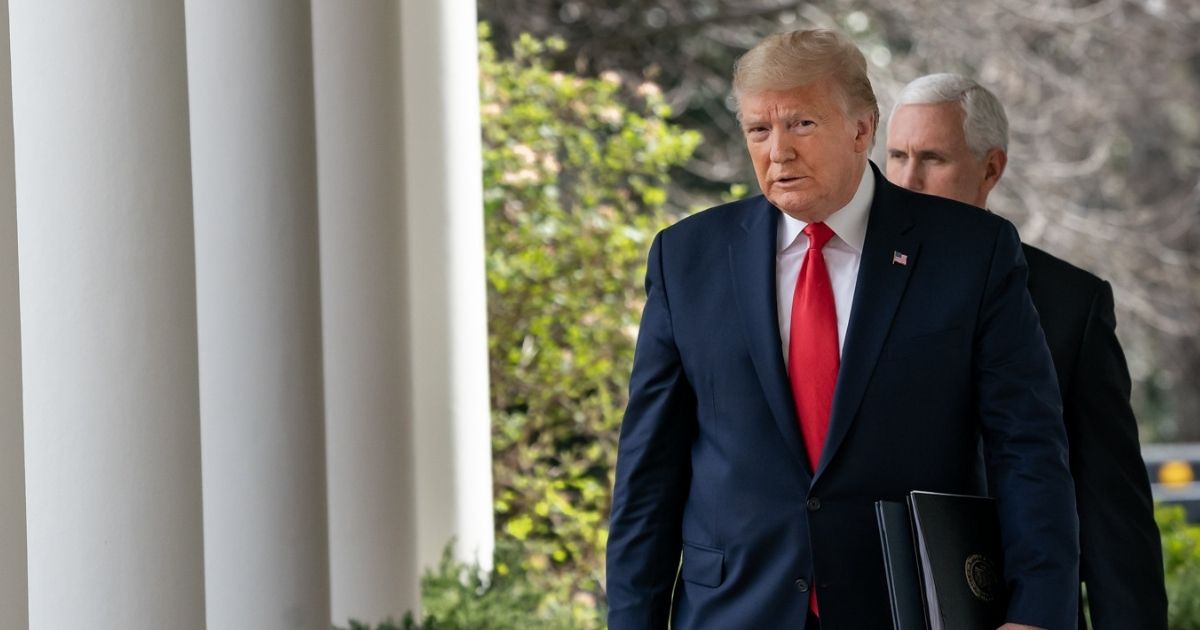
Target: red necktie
x: 813, y: 355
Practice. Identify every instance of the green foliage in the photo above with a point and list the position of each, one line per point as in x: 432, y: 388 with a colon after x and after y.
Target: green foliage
x: 407, y: 624
x: 456, y: 596
x: 575, y: 178
x: 1181, y: 560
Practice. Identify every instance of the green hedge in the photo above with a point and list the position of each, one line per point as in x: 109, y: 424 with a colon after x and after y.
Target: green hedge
x: 455, y: 596
x: 1181, y: 559
x: 575, y: 177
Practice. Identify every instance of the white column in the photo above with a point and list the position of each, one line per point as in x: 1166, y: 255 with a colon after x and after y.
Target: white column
x: 372, y: 535
x: 14, y: 591
x: 108, y: 315
x: 254, y: 173
x: 443, y: 202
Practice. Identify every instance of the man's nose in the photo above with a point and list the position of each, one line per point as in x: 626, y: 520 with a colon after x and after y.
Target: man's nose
x: 781, y: 149
x: 911, y: 177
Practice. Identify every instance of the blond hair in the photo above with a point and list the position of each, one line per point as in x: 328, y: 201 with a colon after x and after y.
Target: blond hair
x: 784, y: 61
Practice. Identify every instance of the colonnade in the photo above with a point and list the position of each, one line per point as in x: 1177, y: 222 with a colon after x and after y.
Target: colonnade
x: 243, y: 370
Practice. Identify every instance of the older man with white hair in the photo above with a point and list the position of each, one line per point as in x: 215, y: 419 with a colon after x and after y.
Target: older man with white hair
x: 948, y: 136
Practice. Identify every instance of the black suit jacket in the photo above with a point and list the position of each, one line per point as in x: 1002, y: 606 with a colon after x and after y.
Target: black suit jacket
x: 944, y: 373
x: 1121, y: 554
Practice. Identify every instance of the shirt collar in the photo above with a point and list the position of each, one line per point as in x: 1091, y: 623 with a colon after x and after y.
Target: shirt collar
x: 849, y: 223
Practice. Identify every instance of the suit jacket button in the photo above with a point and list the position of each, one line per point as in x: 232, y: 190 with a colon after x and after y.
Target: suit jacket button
x: 814, y: 504
x: 802, y: 585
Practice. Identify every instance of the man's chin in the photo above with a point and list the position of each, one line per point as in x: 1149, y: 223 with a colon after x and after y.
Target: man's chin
x: 799, y: 207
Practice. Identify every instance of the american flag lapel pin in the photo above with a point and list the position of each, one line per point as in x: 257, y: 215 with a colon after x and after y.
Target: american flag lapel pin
x: 899, y: 258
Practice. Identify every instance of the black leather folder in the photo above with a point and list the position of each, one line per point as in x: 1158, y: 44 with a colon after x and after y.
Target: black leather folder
x: 947, y: 573
x: 900, y: 566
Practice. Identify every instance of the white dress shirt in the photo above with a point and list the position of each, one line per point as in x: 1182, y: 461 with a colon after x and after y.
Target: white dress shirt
x: 843, y: 253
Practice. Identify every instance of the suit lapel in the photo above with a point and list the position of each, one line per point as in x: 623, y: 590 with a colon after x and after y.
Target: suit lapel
x: 752, y: 260
x: 888, y: 259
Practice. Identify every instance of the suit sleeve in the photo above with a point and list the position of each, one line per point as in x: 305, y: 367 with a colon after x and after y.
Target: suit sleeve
x: 1121, y: 561
x: 653, y: 470
x: 1025, y: 447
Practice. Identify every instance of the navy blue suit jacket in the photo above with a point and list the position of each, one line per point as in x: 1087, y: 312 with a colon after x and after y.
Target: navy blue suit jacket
x: 945, y: 383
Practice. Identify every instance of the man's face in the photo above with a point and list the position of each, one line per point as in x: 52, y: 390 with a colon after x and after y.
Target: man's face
x: 927, y: 152
x: 808, y: 154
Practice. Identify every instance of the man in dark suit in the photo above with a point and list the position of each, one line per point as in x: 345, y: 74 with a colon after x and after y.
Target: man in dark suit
x: 948, y: 136
x: 804, y: 353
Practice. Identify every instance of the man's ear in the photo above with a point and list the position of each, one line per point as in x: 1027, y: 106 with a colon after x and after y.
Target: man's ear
x: 864, y: 132
x: 993, y: 168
